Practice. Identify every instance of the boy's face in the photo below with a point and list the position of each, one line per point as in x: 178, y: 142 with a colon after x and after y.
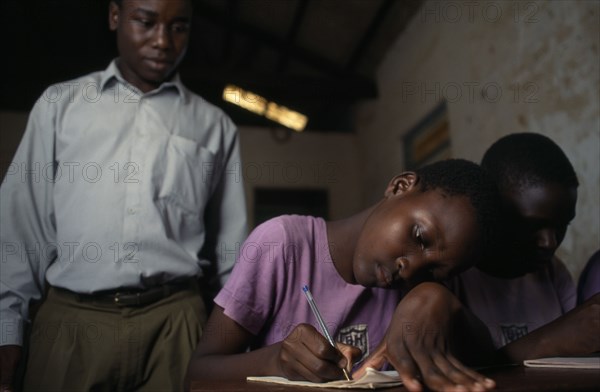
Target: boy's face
x: 540, y: 216
x: 415, y: 236
x: 152, y: 37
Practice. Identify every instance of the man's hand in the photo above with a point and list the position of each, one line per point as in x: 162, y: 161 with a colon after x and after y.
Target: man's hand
x: 419, y: 342
x: 306, y: 355
x: 9, y: 360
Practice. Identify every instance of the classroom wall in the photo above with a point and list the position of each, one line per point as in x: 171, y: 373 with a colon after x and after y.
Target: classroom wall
x: 306, y: 160
x: 503, y: 67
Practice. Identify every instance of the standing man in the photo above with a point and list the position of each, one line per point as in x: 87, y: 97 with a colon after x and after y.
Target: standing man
x: 125, y: 189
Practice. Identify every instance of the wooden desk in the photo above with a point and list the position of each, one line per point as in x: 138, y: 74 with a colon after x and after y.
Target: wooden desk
x: 508, y: 378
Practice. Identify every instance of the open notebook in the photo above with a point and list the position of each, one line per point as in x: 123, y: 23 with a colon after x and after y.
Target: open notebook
x: 372, y: 379
x: 592, y: 362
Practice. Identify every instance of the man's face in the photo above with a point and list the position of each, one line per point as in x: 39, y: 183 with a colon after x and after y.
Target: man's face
x: 415, y: 237
x: 540, y: 216
x: 152, y: 37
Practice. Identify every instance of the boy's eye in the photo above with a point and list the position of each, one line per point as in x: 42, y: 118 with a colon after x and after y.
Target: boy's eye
x: 144, y: 22
x: 180, y: 27
x: 419, y: 236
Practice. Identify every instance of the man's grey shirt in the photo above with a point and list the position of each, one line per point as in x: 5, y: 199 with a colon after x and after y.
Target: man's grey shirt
x: 113, y: 188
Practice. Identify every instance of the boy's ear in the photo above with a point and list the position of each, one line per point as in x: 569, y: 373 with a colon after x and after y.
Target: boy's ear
x: 113, y: 16
x: 402, y: 183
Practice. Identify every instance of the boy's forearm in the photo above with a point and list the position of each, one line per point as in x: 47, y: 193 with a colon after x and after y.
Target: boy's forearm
x: 575, y: 333
x: 473, y: 343
x: 234, y: 366
x: 530, y: 346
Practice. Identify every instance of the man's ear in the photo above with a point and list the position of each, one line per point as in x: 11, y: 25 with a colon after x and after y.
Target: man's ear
x: 402, y: 183
x: 113, y: 16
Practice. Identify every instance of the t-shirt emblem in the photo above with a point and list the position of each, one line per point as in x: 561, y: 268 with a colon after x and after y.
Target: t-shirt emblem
x: 357, y: 336
x: 513, y: 332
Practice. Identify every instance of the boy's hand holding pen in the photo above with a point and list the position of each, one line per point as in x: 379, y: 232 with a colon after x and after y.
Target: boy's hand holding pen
x: 315, y: 310
x: 307, y: 354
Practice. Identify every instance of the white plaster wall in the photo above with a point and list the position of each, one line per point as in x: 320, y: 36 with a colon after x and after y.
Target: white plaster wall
x: 306, y: 160
x: 503, y: 67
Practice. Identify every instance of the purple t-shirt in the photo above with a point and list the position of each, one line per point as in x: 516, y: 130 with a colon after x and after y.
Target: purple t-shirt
x: 589, y: 280
x: 511, y: 308
x: 264, y: 292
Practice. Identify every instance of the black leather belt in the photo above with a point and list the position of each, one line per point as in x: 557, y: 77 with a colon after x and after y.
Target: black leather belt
x: 134, y: 297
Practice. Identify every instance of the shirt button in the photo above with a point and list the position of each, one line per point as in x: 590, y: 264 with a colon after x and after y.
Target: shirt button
x: 131, y: 211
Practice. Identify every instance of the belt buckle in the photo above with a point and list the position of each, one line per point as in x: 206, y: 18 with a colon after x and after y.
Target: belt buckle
x: 125, y: 299
x: 116, y: 298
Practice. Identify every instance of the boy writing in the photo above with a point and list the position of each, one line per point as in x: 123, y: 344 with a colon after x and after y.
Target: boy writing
x: 122, y: 242
x: 431, y: 224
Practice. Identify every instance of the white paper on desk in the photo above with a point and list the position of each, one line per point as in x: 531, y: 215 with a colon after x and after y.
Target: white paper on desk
x: 372, y: 379
x: 565, y: 362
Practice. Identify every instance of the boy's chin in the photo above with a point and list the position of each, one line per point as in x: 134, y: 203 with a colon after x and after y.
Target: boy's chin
x: 536, y: 261
x: 506, y: 270
x: 538, y: 265
x: 523, y: 269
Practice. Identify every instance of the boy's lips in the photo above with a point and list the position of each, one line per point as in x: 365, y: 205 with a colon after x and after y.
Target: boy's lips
x: 543, y: 256
x: 538, y: 264
x: 384, y: 277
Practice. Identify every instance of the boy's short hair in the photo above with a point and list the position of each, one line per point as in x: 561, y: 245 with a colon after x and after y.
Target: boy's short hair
x: 526, y: 159
x: 466, y: 178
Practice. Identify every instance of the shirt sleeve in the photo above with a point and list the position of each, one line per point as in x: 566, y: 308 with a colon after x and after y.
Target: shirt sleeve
x: 250, y: 296
x: 564, y: 286
x: 226, y: 219
x: 27, y: 222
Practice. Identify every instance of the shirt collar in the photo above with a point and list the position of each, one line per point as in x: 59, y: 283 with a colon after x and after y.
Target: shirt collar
x: 113, y: 72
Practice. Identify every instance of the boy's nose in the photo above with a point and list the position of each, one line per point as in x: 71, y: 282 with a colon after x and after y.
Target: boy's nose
x: 546, y: 239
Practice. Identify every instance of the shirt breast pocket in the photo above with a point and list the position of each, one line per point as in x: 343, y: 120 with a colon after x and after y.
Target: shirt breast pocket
x: 187, y: 175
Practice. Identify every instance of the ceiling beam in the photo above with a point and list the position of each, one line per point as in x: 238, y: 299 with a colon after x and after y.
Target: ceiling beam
x: 292, y: 34
x: 232, y: 7
x: 282, y: 87
x: 366, y: 39
x: 296, y: 52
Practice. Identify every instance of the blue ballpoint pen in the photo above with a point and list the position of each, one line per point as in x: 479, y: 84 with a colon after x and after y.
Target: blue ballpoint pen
x: 313, y: 306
